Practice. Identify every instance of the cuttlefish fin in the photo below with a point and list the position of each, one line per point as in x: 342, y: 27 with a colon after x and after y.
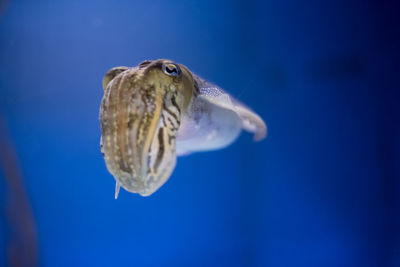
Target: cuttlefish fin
x: 117, y: 187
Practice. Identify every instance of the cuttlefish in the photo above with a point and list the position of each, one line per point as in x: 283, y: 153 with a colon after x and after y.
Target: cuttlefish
x: 158, y: 110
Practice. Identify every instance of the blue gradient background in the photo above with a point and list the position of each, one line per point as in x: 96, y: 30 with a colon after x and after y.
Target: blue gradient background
x: 321, y: 190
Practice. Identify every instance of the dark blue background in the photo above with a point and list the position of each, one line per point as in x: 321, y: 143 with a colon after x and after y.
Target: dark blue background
x: 321, y: 190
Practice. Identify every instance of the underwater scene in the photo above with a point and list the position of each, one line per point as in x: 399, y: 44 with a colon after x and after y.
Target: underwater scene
x: 199, y: 133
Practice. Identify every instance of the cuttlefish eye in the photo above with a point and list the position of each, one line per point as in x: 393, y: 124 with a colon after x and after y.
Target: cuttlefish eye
x: 171, y: 69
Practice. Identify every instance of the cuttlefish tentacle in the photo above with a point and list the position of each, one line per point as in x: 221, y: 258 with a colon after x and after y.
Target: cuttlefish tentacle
x: 117, y: 187
x: 158, y: 110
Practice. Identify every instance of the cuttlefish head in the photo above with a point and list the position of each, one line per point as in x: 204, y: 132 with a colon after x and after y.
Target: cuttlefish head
x: 140, y: 116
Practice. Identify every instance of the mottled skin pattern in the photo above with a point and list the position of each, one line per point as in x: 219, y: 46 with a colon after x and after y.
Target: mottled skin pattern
x: 152, y: 113
x: 140, y: 115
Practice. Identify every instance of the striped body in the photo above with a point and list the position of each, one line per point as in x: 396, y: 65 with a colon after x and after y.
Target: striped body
x: 158, y: 110
x: 140, y: 116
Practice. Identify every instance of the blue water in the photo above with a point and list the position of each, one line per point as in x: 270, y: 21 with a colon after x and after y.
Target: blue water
x: 321, y: 190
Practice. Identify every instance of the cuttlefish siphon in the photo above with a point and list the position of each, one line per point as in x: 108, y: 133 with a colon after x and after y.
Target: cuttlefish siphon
x: 158, y: 110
